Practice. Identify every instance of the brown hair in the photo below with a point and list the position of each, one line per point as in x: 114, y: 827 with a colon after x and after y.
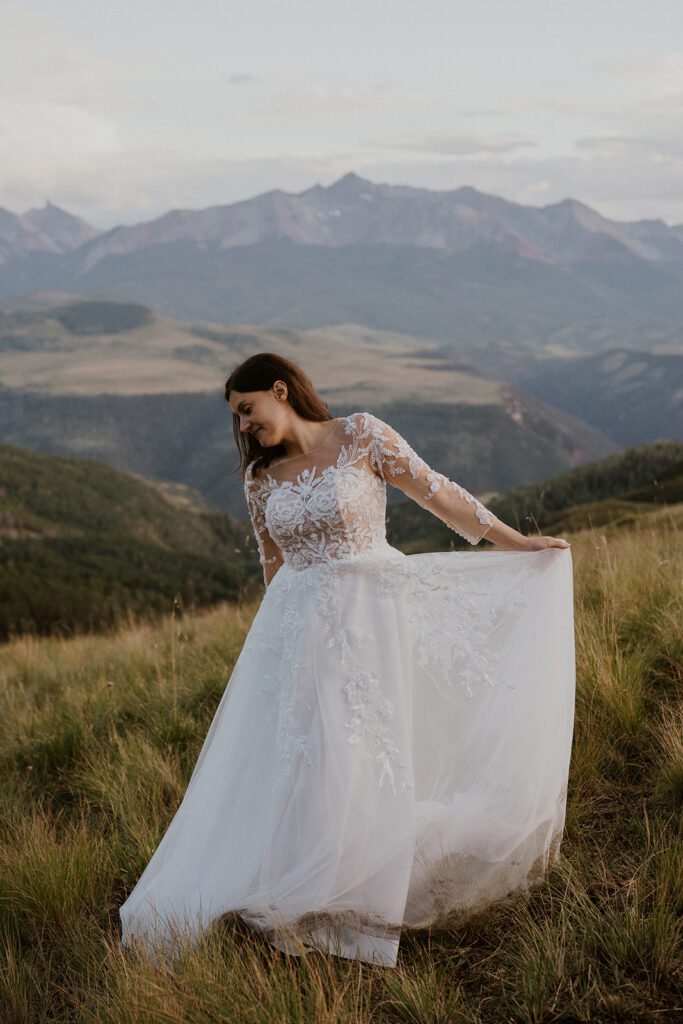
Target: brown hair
x: 259, y: 373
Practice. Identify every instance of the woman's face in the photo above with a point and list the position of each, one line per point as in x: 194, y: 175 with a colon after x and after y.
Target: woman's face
x: 262, y: 413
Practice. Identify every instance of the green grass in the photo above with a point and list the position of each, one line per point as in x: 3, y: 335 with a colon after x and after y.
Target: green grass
x: 98, y: 737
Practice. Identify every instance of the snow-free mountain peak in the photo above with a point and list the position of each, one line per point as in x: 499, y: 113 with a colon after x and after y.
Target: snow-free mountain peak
x: 64, y: 229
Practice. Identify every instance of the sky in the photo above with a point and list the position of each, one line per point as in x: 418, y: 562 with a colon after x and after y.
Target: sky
x: 121, y: 111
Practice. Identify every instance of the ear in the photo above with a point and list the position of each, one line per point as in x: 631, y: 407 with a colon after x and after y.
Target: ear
x: 280, y: 390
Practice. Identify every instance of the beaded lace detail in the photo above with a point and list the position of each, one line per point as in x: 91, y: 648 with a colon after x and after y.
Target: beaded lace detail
x: 338, y: 511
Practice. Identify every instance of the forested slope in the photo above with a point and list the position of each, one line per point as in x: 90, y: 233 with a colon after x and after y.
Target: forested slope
x: 82, y: 544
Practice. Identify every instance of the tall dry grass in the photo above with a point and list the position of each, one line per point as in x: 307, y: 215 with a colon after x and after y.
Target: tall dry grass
x: 98, y: 736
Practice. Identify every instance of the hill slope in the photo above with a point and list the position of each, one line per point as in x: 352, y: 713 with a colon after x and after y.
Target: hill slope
x: 188, y: 438
x: 143, y: 392
x: 82, y: 544
x: 631, y: 396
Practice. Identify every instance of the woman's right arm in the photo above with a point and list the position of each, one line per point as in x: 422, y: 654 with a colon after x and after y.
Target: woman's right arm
x: 270, y: 555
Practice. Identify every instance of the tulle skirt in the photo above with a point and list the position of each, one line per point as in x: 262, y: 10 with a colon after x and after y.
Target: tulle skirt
x: 391, y: 752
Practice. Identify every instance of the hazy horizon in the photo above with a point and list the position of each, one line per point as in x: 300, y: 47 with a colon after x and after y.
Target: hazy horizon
x: 121, y: 114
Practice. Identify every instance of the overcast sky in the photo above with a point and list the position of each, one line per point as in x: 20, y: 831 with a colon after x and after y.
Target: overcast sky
x: 122, y: 111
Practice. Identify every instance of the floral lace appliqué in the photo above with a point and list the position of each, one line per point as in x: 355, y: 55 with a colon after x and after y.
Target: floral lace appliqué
x: 324, y: 522
x: 370, y: 719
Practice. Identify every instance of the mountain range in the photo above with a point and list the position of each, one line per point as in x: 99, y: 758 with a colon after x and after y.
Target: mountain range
x: 459, y: 266
x: 507, y: 342
x: 354, y: 211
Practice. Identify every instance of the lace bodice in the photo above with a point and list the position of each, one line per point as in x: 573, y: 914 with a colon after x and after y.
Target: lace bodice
x: 330, y: 504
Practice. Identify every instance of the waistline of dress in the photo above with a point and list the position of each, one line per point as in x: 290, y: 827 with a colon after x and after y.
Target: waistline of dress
x: 380, y: 553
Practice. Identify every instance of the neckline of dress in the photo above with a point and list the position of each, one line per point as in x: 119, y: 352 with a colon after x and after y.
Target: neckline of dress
x: 310, y: 451
x: 268, y: 480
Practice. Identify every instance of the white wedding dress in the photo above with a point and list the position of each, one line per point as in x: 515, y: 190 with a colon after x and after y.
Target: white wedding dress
x: 393, y: 746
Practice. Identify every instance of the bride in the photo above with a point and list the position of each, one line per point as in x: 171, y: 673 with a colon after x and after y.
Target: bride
x: 392, y: 749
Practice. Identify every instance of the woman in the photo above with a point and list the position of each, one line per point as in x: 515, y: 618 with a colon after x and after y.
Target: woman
x: 393, y: 747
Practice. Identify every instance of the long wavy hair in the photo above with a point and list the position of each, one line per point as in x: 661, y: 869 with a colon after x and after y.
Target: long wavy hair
x: 259, y: 373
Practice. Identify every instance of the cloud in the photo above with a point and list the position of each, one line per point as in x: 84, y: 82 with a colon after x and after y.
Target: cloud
x: 619, y: 183
x: 623, y: 179
x: 642, y: 148
x: 60, y: 143
x: 465, y: 145
x: 128, y: 188
x: 658, y: 74
x: 120, y: 140
x: 43, y: 62
x: 651, y: 109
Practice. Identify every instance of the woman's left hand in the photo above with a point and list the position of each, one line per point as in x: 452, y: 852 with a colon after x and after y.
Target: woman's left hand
x: 540, y: 543
x: 512, y: 540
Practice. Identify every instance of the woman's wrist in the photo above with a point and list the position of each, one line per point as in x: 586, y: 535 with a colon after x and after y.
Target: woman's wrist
x: 512, y: 540
x: 506, y: 537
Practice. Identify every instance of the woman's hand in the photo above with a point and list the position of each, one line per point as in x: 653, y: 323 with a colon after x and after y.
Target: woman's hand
x: 512, y: 540
x: 539, y: 543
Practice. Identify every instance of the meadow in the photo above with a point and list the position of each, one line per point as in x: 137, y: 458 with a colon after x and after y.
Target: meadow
x: 98, y: 737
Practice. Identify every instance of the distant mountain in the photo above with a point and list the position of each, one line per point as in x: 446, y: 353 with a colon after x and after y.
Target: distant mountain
x: 631, y: 396
x: 82, y: 544
x: 459, y: 266
x: 50, y: 230
x: 357, y: 212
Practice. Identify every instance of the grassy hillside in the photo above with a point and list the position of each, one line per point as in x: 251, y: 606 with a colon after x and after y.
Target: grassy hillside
x: 619, y: 487
x: 92, y: 347
x: 98, y: 736
x: 82, y: 545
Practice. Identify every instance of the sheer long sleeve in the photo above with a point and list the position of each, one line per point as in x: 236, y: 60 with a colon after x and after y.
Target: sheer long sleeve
x: 395, y: 461
x: 270, y: 555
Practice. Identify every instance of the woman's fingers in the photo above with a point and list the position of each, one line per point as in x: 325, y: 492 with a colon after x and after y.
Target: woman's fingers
x: 540, y: 543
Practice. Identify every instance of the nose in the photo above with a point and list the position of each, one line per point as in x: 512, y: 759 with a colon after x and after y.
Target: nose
x: 244, y: 423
